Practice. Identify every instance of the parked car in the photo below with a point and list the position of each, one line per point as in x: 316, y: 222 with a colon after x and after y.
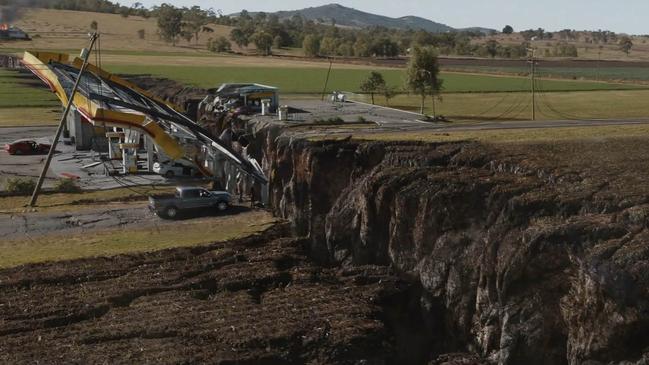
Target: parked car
x: 26, y: 147
x: 187, y: 199
x: 171, y: 169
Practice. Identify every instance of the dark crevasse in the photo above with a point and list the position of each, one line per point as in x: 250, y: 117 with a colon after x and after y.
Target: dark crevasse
x: 507, y: 259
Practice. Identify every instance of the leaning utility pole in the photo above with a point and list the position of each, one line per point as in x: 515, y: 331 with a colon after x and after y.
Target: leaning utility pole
x: 85, y: 54
x: 533, y: 76
x: 324, y: 89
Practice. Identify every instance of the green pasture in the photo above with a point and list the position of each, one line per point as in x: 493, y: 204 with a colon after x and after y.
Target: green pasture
x: 17, y: 90
x: 623, y: 104
x: 577, y: 73
x: 294, y: 80
x: 25, y: 101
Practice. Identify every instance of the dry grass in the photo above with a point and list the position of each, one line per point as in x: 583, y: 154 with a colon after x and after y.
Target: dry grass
x: 25, y: 117
x: 217, y: 60
x: 56, y: 247
x: 600, y: 133
x: 609, y: 51
x: 67, y: 30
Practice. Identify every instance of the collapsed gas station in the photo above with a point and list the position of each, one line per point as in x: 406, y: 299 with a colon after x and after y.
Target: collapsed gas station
x: 109, y: 113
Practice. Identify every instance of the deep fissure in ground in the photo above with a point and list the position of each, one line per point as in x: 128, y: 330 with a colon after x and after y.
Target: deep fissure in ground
x: 396, y: 253
x: 522, y: 253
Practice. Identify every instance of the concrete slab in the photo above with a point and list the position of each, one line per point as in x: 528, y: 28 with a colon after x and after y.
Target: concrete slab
x: 68, y: 162
x: 311, y: 111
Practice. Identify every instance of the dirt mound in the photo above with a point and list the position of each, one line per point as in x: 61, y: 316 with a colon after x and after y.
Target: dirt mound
x: 256, y: 300
x: 167, y: 89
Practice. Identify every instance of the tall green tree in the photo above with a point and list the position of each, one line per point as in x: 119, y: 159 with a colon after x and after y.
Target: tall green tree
x: 328, y: 46
x: 194, y: 19
x: 170, y: 20
x: 264, y: 42
x: 626, y: 44
x: 311, y: 45
x: 373, y: 83
x: 389, y: 92
x: 239, y: 37
x: 492, y: 47
x: 422, y: 75
x: 508, y: 29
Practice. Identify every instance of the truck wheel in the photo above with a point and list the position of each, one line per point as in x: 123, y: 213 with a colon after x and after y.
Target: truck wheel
x: 171, y: 212
x: 169, y: 174
x: 222, y: 206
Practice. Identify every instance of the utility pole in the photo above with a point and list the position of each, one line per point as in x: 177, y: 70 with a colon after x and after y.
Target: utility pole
x: 48, y: 160
x: 533, y: 76
x: 599, y: 59
x: 324, y: 89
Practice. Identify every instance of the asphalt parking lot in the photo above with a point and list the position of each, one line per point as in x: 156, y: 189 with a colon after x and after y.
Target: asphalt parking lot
x: 67, y: 162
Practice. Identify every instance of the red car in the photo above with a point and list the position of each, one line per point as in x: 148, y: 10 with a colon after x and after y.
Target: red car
x: 26, y: 147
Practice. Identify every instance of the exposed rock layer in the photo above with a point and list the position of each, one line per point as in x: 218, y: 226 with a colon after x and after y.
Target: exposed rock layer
x: 526, y: 253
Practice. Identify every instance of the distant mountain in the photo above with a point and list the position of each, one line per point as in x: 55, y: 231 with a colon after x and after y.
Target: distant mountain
x: 478, y: 30
x: 348, y: 17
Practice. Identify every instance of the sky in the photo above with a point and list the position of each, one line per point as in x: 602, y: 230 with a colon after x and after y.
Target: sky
x: 625, y: 16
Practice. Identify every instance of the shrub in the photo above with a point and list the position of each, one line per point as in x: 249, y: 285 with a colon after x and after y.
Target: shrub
x: 330, y: 121
x: 20, y: 186
x: 220, y: 44
x: 67, y: 186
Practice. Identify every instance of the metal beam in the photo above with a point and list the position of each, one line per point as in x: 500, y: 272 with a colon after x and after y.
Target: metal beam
x: 50, y: 154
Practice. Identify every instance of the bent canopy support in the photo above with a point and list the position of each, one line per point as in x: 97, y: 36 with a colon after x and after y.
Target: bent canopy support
x: 107, y: 100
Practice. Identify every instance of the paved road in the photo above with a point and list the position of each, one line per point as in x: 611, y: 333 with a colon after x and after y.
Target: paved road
x: 389, y: 119
x: 74, y: 221
x: 77, y: 221
x: 9, y: 134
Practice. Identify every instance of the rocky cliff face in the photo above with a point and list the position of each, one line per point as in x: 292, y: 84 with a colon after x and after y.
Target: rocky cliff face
x: 530, y: 254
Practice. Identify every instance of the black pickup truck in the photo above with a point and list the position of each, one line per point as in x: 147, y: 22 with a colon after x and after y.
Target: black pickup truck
x: 189, y: 198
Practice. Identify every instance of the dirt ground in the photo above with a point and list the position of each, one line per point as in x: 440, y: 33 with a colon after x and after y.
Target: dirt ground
x: 255, y: 300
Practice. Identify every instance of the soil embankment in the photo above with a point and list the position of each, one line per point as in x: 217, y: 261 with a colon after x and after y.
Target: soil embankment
x: 524, y: 253
x: 255, y: 300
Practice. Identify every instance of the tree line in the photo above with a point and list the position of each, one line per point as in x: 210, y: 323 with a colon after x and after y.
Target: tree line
x: 267, y: 32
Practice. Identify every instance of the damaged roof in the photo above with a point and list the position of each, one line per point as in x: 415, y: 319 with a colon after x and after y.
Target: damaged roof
x: 108, y: 99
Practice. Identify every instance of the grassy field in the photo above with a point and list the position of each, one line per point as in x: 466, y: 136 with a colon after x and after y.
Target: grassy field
x: 554, y: 105
x: 586, y: 73
x: 64, y: 29
x: 114, y: 242
x: 515, y: 135
x: 18, y: 90
x: 32, y: 116
x: 311, y: 80
x: 25, y: 101
x: 466, y: 96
